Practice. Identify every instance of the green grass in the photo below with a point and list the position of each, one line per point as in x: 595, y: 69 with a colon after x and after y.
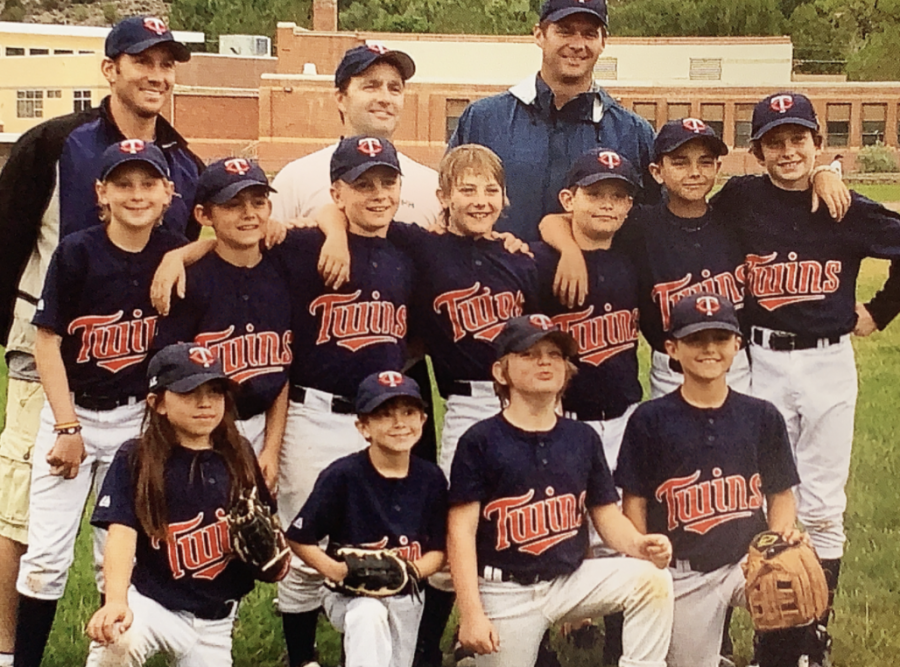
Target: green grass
x: 867, y: 607
x: 887, y: 192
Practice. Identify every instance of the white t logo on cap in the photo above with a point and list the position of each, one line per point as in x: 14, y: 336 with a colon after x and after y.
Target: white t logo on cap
x: 237, y: 165
x: 131, y: 146
x: 693, y: 125
x: 390, y: 379
x: 609, y: 159
x: 202, y: 356
x: 377, y: 47
x: 708, y: 305
x: 781, y: 103
x: 541, y: 321
x: 156, y: 25
x: 369, y: 146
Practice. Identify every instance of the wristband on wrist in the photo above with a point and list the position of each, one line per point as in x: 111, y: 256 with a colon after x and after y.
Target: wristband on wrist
x: 823, y: 167
x: 68, y: 428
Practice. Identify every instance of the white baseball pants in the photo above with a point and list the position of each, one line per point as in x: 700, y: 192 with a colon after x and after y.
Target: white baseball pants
x: 600, y: 586
x: 462, y: 413
x: 254, y: 429
x: 56, y: 504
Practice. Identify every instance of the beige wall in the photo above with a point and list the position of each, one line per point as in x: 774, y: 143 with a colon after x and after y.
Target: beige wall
x: 74, y: 38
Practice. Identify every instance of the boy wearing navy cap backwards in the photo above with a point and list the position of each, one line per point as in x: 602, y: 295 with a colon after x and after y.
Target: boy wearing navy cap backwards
x: 95, y: 325
x: 801, y: 274
x: 708, y: 440
x: 521, y: 487
x: 378, y: 498
x: 237, y: 303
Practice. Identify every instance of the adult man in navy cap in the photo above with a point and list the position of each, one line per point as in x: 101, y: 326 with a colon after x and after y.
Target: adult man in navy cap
x: 541, y: 125
x: 369, y: 90
x: 46, y: 192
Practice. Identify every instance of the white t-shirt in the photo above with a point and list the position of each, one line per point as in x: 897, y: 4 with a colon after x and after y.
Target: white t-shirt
x: 304, y: 185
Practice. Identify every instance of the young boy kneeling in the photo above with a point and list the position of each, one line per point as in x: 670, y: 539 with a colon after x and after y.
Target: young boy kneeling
x: 378, y: 498
x: 521, y: 485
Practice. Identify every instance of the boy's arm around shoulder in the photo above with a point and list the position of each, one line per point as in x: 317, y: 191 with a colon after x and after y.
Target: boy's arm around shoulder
x: 170, y: 274
x: 880, y: 231
x: 570, y: 284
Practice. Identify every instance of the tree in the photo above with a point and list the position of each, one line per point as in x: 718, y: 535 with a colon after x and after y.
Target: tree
x: 705, y: 18
x: 877, y: 59
x: 822, y: 40
x: 247, y: 17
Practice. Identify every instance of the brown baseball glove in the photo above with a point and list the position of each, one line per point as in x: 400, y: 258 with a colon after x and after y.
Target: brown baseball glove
x: 257, y: 538
x: 785, y: 583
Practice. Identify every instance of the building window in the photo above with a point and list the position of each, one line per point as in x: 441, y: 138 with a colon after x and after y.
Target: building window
x: 647, y: 111
x: 743, y: 116
x: 30, y: 103
x: 57, y: 94
x: 62, y: 52
x: 873, y: 122
x: 85, y: 53
x: 714, y: 116
x: 606, y: 69
x: 837, y: 124
x: 82, y: 100
x: 38, y: 52
x: 15, y: 51
x: 454, y: 109
x: 678, y: 110
x: 706, y: 69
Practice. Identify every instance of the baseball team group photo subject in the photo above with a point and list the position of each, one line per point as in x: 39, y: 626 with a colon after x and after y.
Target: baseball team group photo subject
x: 579, y: 396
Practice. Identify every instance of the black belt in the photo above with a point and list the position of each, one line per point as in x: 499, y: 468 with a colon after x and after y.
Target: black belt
x: 104, y: 403
x: 517, y: 578
x: 455, y: 389
x: 216, y: 612
x: 339, y: 404
x: 600, y: 415
x: 788, y: 342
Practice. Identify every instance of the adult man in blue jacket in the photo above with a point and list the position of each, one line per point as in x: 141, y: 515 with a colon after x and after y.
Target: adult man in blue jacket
x: 46, y: 192
x: 541, y: 125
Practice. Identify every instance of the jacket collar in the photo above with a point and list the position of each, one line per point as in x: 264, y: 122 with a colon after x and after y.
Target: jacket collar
x: 166, y: 135
x: 535, y: 93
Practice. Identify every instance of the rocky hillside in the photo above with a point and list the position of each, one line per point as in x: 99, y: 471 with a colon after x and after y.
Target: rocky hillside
x: 86, y: 12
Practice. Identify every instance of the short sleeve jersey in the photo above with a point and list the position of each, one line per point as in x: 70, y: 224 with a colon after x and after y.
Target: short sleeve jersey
x: 243, y: 314
x: 97, y: 298
x: 195, y: 569
x: 676, y: 257
x: 534, y: 489
x: 352, y: 504
x: 605, y: 328
x: 704, y: 472
x: 342, y: 336
x: 802, y: 267
x: 466, y: 289
x: 304, y: 186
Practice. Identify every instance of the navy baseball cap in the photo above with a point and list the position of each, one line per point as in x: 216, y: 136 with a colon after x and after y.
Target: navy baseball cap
x: 378, y: 388
x: 702, y: 311
x: 356, y: 155
x: 600, y: 164
x: 676, y: 133
x: 556, y: 10
x: 133, y: 150
x: 360, y: 58
x: 183, y: 367
x: 136, y: 34
x: 520, y: 333
x: 783, y: 109
x: 223, y: 180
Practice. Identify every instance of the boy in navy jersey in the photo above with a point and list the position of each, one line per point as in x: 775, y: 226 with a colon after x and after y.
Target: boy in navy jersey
x: 379, y: 498
x: 522, y: 486
x: 95, y: 326
x: 711, y: 441
x: 238, y: 305
x: 801, y: 275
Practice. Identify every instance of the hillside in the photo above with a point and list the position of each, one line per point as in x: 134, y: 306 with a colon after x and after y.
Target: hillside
x: 96, y: 12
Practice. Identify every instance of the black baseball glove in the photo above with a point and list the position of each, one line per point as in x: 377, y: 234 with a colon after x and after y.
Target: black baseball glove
x: 257, y: 538
x: 376, y: 573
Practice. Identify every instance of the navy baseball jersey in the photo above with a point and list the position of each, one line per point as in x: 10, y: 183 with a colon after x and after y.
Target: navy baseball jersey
x: 352, y: 504
x: 802, y: 267
x: 341, y: 337
x: 705, y: 472
x: 534, y: 489
x: 97, y: 298
x: 243, y: 315
x: 676, y: 257
x: 194, y: 570
x: 605, y: 328
x: 465, y: 290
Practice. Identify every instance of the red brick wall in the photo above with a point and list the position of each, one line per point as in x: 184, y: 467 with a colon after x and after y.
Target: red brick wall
x: 217, y: 117
x: 204, y: 69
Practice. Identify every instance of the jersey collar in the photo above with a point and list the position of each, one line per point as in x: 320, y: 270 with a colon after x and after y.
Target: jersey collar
x: 535, y: 93
x: 166, y: 136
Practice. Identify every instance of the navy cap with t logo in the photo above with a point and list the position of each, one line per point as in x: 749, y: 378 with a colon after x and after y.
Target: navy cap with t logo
x: 356, y: 155
x: 556, y: 10
x: 520, y: 333
x: 136, y: 34
x: 360, y: 58
x: 224, y: 179
x: 699, y: 312
x: 133, y: 150
x: 378, y: 388
x: 783, y: 109
x: 599, y: 164
x: 183, y: 367
x: 676, y: 133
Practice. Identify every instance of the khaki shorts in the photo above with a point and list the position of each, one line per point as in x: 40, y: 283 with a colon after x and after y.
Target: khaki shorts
x: 23, y: 416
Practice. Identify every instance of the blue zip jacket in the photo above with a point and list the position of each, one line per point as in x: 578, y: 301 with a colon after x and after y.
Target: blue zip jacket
x: 538, y: 143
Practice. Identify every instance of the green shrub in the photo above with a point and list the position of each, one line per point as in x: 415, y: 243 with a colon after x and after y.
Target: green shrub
x: 110, y: 13
x: 877, y: 159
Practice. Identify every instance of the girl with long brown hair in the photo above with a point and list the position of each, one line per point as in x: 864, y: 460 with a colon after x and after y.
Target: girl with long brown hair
x: 172, y: 583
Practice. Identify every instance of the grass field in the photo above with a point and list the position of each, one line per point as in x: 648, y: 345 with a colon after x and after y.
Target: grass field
x: 868, y: 604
